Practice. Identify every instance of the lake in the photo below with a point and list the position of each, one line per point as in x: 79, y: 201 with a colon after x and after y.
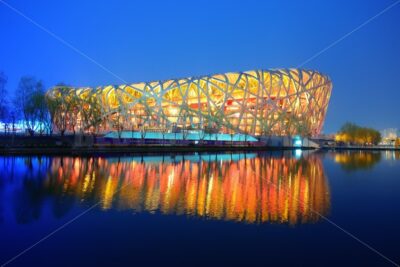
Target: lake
x: 280, y: 208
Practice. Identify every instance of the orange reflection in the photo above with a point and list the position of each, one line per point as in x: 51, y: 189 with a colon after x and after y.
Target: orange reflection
x: 238, y: 187
x: 354, y: 160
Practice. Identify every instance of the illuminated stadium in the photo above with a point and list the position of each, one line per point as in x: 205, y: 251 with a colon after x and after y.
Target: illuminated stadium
x: 232, y: 187
x: 281, y: 102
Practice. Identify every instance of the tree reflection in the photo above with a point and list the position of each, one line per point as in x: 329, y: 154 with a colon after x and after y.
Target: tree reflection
x: 23, y: 179
x: 357, y: 160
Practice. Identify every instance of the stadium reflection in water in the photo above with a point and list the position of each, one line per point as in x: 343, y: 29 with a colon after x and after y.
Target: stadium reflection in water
x: 247, y: 188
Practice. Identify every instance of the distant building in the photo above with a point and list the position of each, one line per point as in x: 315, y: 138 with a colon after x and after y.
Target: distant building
x: 389, y: 136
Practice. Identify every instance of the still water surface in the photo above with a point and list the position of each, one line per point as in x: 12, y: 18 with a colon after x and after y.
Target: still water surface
x: 274, y: 209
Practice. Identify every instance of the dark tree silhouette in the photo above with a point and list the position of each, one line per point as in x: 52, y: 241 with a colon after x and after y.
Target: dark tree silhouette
x: 4, y: 105
x: 29, y: 101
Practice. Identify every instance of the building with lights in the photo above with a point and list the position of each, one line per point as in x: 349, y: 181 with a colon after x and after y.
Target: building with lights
x: 389, y: 136
x: 279, y: 102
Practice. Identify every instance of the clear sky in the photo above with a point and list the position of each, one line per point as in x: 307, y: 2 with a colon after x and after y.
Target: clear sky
x: 157, y: 40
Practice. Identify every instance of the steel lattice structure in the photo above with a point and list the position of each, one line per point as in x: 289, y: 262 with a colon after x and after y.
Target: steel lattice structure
x: 260, y: 102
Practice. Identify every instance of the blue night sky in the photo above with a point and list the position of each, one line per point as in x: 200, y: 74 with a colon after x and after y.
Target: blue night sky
x: 157, y: 40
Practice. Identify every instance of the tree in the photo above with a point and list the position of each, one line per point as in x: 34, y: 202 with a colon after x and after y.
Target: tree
x: 73, y: 111
x: 184, y: 122
x: 43, y: 114
x: 64, y: 107
x: 58, y: 104
x: 376, y: 136
x: 397, y: 142
x: 165, y: 129
x: 202, y: 135
x: 118, y: 121
x: 91, y: 114
x: 28, y: 100
x: 52, y: 106
x: 143, y: 130
x: 3, y: 101
x: 355, y: 134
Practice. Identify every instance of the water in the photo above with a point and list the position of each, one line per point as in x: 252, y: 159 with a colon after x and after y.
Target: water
x: 274, y: 209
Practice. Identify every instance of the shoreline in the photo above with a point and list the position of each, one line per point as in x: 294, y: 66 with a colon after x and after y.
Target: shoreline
x: 155, y: 149
x: 340, y: 148
x: 105, y: 150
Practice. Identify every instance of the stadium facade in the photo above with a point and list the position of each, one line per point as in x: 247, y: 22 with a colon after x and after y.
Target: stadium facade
x: 278, y: 102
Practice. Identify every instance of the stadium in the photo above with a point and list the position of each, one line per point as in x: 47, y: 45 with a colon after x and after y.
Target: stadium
x: 241, y: 105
